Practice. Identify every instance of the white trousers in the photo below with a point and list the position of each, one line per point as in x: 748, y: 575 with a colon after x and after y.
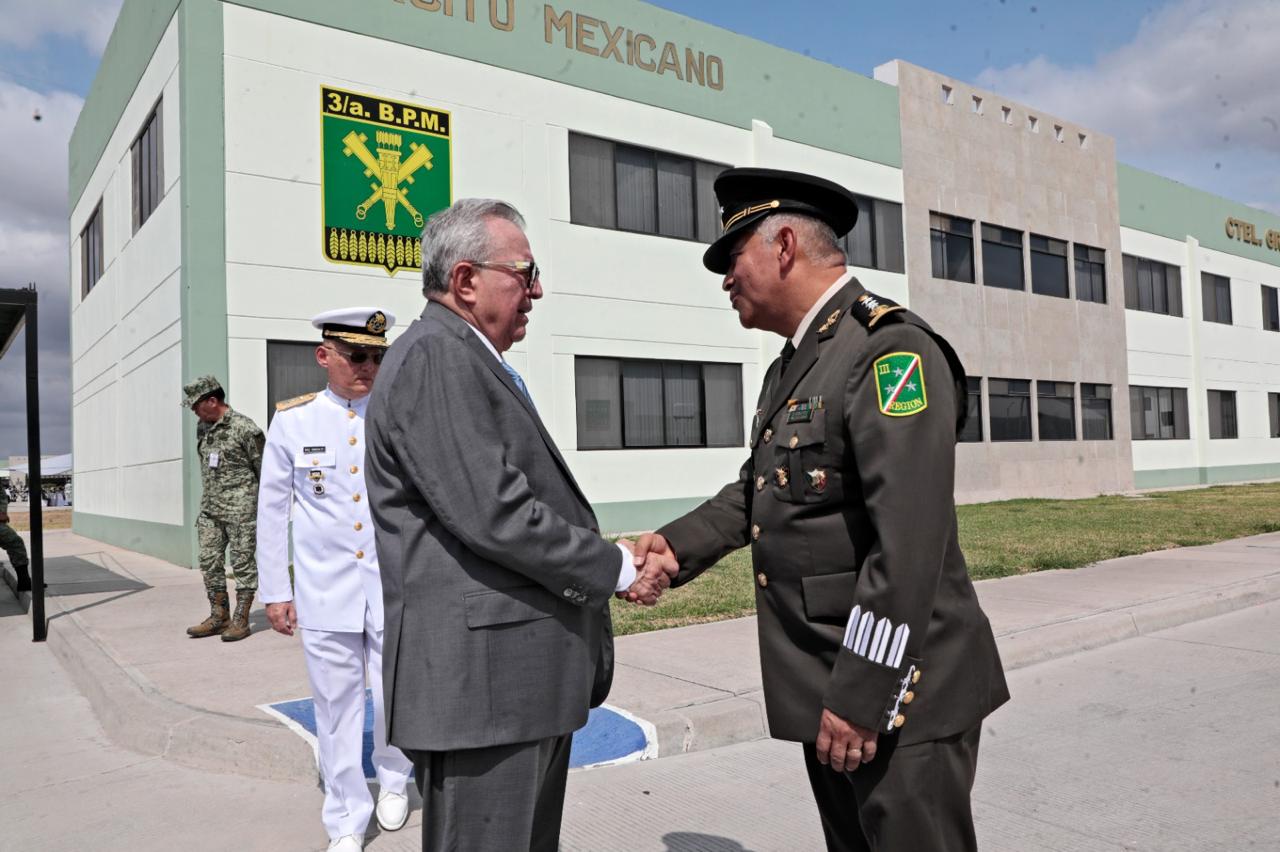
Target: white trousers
x: 336, y: 665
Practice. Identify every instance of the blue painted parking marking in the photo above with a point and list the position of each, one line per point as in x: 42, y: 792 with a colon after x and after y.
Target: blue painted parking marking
x: 611, y: 736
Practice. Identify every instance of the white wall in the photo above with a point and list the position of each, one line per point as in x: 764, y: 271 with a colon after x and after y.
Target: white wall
x: 126, y: 333
x: 1187, y: 352
x: 607, y: 293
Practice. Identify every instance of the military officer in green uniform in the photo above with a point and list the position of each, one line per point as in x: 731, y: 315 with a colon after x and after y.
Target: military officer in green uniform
x: 12, y: 544
x: 874, y: 651
x: 229, y: 447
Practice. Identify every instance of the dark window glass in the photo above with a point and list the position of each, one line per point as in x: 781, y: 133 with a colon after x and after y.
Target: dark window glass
x: 1158, y: 414
x: 1056, y: 410
x: 148, y: 169
x: 1048, y: 266
x: 641, y: 404
x: 1091, y: 274
x: 876, y: 239
x: 972, y: 431
x: 951, y: 245
x: 1152, y: 286
x: 625, y: 187
x: 1215, y: 292
x: 1222, y: 414
x: 1273, y: 410
x: 1002, y: 259
x: 291, y: 371
x: 1095, y: 412
x: 1270, y: 309
x: 91, y: 267
x: 1009, y: 407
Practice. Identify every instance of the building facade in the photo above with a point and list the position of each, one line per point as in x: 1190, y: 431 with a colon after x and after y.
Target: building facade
x: 240, y: 165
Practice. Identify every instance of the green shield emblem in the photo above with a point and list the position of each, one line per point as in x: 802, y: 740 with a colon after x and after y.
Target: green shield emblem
x: 385, y: 167
x: 900, y: 384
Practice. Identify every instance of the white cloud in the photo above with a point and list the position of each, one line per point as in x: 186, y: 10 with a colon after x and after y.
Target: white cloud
x: 1198, y: 80
x: 27, y: 22
x: 33, y: 173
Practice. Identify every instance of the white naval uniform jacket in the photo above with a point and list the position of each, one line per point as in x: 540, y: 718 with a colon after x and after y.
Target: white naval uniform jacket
x: 314, y: 464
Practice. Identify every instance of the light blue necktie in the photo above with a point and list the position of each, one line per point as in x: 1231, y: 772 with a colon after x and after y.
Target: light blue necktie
x: 515, y: 377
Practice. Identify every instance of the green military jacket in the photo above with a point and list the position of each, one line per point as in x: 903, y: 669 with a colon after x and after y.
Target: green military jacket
x: 230, y: 453
x: 864, y: 603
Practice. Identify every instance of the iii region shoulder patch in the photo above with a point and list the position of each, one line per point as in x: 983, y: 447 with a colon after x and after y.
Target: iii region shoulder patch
x: 900, y: 384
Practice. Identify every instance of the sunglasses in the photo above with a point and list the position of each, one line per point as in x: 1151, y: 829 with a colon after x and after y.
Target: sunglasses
x: 526, y: 269
x: 359, y: 356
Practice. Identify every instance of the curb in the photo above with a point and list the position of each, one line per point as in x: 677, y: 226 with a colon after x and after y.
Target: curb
x: 135, y: 715
x: 741, y: 718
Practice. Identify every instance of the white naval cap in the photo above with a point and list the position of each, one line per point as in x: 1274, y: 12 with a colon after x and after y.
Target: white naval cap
x: 360, y: 326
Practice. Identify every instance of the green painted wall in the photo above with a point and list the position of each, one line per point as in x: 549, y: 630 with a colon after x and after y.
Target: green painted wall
x: 1175, y: 477
x: 642, y: 514
x: 164, y: 541
x: 804, y: 100
x: 1158, y: 205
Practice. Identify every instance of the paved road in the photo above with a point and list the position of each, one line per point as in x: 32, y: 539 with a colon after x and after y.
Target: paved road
x: 1168, y: 742
x: 1163, y: 743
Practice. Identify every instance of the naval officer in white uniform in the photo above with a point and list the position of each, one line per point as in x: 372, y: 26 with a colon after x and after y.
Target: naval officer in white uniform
x: 314, y: 464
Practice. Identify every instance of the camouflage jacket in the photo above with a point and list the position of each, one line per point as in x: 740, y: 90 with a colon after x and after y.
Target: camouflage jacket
x: 230, y: 454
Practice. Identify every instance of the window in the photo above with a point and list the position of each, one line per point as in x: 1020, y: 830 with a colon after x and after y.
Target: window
x: 1152, y: 286
x: 1270, y: 309
x: 1006, y: 115
x: 1048, y: 266
x: 642, y: 404
x: 1222, y: 414
x: 1215, y: 293
x: 977, y: 105
x: 1273, y: 409
x: 972, y: 431
x: 951, y: 243
x: 1056, y: 411
x: 876, y: 239
x: 1095, y: 411
x: 1057, y: 132
x: 1033, y: 124
x: 1002, y: 257
x: 612, y: 185
x: 148, y: 169
x: 948, y: 96
x: 91, y: 251
x: 1091, y: 274
x: 1009, y: 404
x: 291, y: 371
x: 1158, y: 414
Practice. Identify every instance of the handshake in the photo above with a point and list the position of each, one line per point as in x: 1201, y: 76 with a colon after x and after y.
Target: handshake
x: 656, y: 567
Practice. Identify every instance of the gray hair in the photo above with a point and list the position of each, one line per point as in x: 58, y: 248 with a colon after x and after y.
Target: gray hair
x: 815, y: 239
x: 459, y: 233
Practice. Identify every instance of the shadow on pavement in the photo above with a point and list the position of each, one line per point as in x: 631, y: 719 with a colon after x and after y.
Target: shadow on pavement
x: 688, y: 841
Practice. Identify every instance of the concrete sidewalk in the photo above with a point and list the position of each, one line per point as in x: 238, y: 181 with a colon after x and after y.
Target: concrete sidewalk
x: 117, y: 625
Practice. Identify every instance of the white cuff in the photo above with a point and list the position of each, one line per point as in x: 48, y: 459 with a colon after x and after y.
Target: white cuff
x: 627, y: 575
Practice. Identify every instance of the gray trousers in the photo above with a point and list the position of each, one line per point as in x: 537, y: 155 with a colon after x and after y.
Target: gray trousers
x: 915, y: 797
x: 500, y: 799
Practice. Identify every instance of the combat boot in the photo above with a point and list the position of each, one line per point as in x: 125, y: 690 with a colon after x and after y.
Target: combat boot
x: 217, y: 620
x: 239, y: 627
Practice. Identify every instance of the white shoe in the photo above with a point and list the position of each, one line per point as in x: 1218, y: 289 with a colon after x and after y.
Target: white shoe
x: 392, y: 811
x: 348, y: 843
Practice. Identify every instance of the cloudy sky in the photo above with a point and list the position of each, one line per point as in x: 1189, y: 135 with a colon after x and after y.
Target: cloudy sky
x: 1188, y: 88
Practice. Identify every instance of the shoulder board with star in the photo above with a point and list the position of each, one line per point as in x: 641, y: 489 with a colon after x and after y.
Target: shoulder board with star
x: 285, y: 405
x: 869, y: 309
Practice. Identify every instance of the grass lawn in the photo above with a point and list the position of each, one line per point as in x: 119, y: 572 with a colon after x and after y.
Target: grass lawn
x: 1012, y: 537
x: 54, y: 519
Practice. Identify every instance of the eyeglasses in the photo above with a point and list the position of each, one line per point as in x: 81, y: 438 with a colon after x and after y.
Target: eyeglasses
x: 526, y: 268
x: 359, y: 356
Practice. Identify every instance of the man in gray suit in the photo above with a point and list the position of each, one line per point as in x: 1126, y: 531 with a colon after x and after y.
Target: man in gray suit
x: 495, y: 578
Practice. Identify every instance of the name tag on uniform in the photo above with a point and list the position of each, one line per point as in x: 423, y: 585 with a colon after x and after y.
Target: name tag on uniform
x: 213, y: 459
x: 309, y: 450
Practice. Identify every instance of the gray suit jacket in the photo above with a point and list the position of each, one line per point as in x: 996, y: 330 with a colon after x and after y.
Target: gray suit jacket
x: 495, y: 580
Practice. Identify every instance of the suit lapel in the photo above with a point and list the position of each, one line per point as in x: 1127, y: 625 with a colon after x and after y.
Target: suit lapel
x: 819, y: 332
x: 460, y: 327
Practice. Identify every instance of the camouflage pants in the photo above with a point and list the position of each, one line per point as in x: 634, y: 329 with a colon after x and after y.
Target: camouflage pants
x: 12, y: 544
x: 214, y: 535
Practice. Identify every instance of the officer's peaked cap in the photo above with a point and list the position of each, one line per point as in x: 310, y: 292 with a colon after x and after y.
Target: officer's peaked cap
x: 359, y: 326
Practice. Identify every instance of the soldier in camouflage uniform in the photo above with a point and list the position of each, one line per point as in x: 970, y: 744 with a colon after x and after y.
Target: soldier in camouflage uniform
x: 13, y: 545
x: 229, y: 446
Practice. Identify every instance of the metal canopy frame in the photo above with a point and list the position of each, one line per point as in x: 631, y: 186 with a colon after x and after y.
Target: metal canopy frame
x: 18, y: 311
